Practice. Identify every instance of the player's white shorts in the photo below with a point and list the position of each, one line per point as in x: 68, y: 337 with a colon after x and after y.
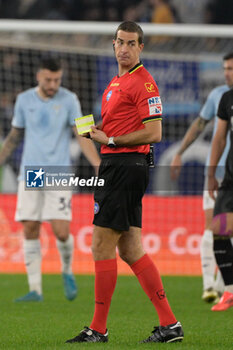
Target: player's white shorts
x: 208, y: 202
x: 42, y: 205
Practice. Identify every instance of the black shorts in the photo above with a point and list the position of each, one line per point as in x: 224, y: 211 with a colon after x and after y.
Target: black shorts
x: 118, y: 204
x: 224, y: 200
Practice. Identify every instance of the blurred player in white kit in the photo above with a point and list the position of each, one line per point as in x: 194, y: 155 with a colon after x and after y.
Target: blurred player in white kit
x: 44, y: 117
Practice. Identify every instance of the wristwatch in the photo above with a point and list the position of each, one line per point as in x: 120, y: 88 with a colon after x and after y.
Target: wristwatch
x: 111, y: 142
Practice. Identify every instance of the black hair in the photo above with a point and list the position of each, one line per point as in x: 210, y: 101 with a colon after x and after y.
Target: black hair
x: 228, y: 56
x: 131, y: 27
x: 50, y: 63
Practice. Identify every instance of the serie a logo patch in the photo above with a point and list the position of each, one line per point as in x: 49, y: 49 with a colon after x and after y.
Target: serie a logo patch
x: 96, y: 208
x: 109, y: 95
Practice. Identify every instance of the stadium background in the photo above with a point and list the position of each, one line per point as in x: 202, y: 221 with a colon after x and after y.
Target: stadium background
x: 186, y: 62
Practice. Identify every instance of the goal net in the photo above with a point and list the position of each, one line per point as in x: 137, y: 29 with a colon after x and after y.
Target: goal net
x: 186, y: 63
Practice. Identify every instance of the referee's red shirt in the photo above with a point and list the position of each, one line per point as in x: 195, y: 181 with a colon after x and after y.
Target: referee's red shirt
x: 129, y: 102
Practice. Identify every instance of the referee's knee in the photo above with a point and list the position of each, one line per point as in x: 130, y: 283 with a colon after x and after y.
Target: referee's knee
x: 130, y: 257
x: 101, y: 252
x: 124, y: 257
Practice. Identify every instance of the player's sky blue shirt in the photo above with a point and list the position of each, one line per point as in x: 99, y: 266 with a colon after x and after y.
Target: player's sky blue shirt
x: 208, y: 112
x: 47, y: 125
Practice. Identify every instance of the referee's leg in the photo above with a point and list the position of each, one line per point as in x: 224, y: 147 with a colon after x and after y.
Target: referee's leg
x: 132, y: 252
x: 104, y: 244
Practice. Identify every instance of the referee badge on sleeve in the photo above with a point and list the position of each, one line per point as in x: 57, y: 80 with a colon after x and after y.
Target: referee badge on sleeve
x: 155, y: 105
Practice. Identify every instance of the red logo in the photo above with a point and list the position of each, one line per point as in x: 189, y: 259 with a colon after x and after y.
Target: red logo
x: 161, y: 294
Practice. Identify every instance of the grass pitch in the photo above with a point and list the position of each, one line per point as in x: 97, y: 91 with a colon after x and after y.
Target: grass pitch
x: 46, y: 325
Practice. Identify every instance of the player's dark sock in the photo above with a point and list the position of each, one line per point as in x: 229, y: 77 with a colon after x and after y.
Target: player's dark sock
x: 105, y: 282
x: 223, y: 251
x: 149, y: 278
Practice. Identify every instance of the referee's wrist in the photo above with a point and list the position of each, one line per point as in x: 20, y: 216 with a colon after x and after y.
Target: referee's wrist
x: 111, y: 142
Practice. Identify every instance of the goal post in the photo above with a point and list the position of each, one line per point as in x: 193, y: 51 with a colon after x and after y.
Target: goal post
x: 108, y: 28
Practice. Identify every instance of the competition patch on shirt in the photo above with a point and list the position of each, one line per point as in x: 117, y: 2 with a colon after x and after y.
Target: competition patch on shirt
x: 109, y: 95
x: 155, y: 105
x: 150, y: 87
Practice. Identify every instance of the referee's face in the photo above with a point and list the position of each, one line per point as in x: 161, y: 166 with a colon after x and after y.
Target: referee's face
x: 127, y: 49
x: 48, y: 82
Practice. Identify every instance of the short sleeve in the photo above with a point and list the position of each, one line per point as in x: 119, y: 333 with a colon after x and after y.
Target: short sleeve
x: 75, y: 110
x: 222, y: 108
x: 18, y: 120
x: 208, y: 110
x: 148, y: 102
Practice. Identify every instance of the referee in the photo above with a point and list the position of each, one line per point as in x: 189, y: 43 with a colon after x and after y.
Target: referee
x: 131, y: 121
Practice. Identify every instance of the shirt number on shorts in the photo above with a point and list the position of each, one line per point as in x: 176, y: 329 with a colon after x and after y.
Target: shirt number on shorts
x: 64, y: 203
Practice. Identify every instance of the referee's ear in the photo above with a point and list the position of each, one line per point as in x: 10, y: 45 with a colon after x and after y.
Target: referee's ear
x: 113, y: 45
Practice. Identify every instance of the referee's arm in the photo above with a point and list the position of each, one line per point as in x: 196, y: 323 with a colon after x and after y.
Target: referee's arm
x: 151, y: 133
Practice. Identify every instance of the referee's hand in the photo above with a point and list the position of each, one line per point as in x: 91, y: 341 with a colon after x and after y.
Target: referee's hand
x: 98, y: 135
